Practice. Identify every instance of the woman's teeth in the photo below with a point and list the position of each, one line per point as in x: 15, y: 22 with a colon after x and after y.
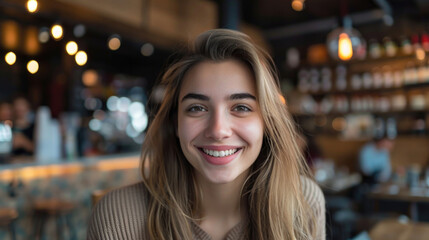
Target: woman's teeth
x: 220, y: 153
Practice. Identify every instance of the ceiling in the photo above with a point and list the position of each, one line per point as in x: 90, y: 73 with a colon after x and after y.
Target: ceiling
x: 282, y: 26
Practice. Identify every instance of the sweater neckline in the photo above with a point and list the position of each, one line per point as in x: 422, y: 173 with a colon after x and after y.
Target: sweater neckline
x: 234, y: 233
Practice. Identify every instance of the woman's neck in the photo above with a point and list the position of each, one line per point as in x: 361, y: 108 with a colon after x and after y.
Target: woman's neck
x: 221, y: 206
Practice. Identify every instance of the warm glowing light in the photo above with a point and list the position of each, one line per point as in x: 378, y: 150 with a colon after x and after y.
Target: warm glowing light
x: 81, y: 58
x: 345, y: 51
x: 420, y: 54
x: 33, y: 66
x: 10, y: 58
x: 57, y: 31
x: 71, y: 48
x: 10, y: 35
x: 90, y: 78
x: 32, y: 6
x: 282, y: 99
x: 31, y: 43
x: 298, y: 5
x: 114, y: 43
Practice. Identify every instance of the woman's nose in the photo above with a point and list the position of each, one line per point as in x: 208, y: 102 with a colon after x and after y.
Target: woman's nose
x: 219, y: 126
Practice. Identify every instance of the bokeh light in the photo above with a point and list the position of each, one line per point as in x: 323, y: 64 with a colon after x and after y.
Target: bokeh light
x: 147, y: 49
x: 57, y: 32
x: 112, y: 103
x: 79, y: 30
x: 71, y: 48
x: 298, y: 5
x: 33, y: 66
x: 81, y: 58
x: 90, y: 78
x: 10, y: 58
x: 114, y: 42
x: 44, y: 35
x: 32, y: 6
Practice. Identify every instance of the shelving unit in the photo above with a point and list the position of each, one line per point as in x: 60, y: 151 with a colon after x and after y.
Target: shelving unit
x: 407, y: 103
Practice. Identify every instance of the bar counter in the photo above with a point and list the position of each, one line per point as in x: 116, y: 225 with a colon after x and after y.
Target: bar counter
x: 25, y: 183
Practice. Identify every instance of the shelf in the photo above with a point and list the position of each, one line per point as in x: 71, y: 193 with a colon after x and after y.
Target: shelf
x: 405, y: 87
x: 366, y: 63
x: 337, y: 114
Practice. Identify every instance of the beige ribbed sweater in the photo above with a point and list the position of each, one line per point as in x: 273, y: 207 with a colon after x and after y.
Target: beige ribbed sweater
x: 121, y: 214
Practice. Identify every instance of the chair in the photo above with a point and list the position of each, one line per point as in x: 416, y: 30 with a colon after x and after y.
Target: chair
x: 52, y: 208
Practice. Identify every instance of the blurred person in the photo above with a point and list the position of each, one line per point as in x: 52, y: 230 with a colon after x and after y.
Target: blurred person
x: 23, y: 127
x: 220, y: 159
x: 374, y: 160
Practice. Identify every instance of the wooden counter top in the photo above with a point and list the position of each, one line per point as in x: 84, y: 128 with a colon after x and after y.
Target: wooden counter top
x: 33, y: 170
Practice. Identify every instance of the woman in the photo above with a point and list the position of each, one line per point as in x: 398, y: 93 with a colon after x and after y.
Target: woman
x: 221, y: 159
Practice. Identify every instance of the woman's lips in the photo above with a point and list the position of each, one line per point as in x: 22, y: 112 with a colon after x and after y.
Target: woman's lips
x: 219, y: 155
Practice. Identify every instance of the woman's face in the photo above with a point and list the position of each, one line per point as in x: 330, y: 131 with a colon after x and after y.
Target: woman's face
x: 220, y: 127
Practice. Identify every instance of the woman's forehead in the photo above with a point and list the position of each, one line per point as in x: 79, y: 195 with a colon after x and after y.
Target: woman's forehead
x: 209, y: 76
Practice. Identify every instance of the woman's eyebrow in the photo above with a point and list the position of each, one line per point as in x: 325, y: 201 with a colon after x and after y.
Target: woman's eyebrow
x: 195, y: 96
x: 238, y: 96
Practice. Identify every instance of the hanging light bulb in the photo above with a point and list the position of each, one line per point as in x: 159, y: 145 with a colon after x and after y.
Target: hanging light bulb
x: 32, y: 6
x: 345, y: 50
x: 345, y: 43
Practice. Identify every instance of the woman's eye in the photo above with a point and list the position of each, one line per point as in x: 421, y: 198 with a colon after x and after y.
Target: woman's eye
x: 242, y: 108
x: 196, y: 109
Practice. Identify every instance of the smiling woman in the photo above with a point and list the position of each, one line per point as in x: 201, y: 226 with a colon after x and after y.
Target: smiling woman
x: 221, y: 158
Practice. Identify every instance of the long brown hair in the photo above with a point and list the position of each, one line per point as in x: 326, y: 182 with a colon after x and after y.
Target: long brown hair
x: 272, y: 191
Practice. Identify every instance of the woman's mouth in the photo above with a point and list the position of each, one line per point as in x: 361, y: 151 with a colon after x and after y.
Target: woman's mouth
x: 223, y: 153
x: 220, y: 156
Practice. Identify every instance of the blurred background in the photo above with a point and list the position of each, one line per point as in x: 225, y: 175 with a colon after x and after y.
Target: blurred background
x: 76, y: 76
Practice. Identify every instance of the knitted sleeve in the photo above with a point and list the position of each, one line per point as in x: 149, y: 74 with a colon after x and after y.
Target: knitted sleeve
x: 314, y: 196
x: 119, y: 215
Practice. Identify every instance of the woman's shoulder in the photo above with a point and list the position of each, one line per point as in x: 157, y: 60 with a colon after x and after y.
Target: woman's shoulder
x: 120, y: 212
x: 316, y: 200
x: 129, y: 193
x: 312, y: 192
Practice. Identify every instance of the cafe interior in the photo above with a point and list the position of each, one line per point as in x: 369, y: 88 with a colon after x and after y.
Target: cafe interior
x: 76, y: 77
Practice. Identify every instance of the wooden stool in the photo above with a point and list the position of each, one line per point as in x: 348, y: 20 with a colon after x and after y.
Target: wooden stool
x: 45, y: 209
x: 7, y: 220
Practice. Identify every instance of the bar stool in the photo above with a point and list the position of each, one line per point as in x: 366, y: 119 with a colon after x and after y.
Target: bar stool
x: 7, y: 220
x: 43, y: 210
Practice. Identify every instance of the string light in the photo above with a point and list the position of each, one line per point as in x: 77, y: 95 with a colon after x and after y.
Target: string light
x: 57, y: 31
x: 32, y: 6
x: 33, y: 66
x: 10, y: 58
x: 71, y: 48
x: 81, y: 58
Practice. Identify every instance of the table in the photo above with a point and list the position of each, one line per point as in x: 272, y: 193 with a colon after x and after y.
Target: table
x: 392, y: 229
x: 394, y: 192
x: 340, y: 183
